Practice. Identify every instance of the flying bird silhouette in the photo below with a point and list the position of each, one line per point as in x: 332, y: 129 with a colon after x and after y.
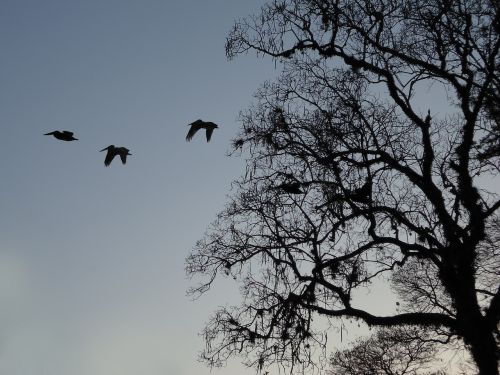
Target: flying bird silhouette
x: 200, y: 124
x: 113, y: 151
x: 63, y: 136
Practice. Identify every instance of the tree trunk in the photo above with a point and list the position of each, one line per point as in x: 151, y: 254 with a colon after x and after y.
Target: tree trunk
x: 483, y: 349
x: 476, y: 331
x: 458, y: 277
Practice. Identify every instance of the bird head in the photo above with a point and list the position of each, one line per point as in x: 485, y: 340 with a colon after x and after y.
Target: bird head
x: 108, y: 148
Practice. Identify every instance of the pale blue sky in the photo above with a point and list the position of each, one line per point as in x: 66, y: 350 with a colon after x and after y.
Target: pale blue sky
x: 92, y: 258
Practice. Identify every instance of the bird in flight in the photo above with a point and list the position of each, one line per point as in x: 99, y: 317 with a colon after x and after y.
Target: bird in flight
x: 113, y: 151
x: 63, y: 136
x: 200, y: 124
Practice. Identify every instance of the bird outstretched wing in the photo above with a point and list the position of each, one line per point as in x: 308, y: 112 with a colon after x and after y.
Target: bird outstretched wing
x: 209, y: 133
x: 195, y: 126
x: 109, y: 158
x: 124, y: 158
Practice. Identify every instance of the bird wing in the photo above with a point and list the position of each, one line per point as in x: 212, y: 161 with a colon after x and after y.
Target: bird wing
x: 109, y: 158
x: 199, y: 122
x: 195, y: 126
x: 209, y: 133
x: 123, y: 154
x: 68, y: 133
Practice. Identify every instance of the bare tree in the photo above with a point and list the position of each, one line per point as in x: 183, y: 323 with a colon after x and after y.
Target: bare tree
x: 349, y: 182
x: 388, y: 352
x: 491, y: 142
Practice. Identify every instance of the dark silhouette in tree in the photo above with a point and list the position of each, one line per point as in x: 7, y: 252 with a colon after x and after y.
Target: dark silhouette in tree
x: 390, y: 190
x: 63, y: 135
x: 290, y: 187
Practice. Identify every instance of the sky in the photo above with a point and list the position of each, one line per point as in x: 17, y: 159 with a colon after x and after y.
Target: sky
x: 92, y: 258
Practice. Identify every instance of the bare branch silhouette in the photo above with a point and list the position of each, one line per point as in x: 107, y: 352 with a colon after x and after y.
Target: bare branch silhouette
x: 386, y: 190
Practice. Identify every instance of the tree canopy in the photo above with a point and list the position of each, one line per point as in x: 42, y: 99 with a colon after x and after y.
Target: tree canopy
x: 388, y: 352
x: 349, y: 180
